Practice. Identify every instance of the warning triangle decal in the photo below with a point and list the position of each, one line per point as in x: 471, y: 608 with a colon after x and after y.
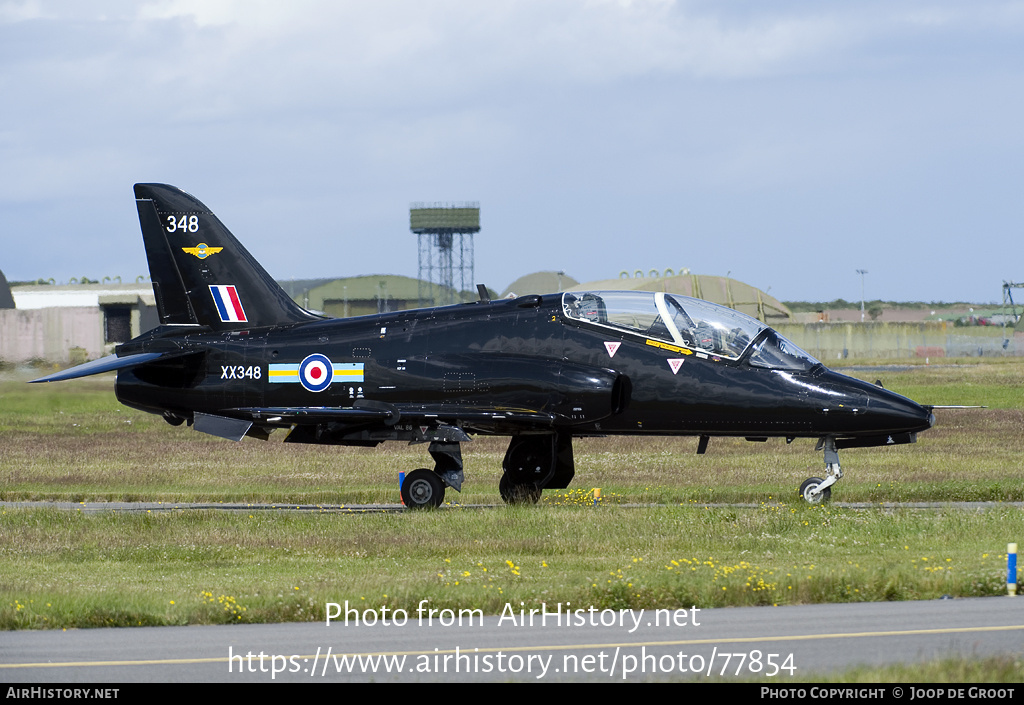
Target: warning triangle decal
x: 675, y: 363
x: 611, y: 348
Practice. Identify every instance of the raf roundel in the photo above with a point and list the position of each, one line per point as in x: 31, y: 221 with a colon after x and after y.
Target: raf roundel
x: 316, y: 372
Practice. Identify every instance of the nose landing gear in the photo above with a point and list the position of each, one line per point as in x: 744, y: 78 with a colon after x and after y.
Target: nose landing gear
x: 815, y: 490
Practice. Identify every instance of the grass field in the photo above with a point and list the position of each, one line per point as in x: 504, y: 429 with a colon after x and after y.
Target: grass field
x: 74, y: 442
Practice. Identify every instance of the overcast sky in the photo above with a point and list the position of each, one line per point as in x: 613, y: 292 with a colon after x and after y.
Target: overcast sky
x: 786, y: 143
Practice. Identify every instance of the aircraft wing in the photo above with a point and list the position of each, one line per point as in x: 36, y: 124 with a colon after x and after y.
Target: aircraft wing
x: 371, y: 422
x: 316, y: 414
x: 391, y: 414
x: 466, y: 416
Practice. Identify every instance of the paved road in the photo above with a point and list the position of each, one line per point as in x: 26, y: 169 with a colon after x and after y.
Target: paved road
x: 594, y: 646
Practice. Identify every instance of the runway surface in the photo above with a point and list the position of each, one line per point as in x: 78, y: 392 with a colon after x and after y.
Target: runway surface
x: 767, y: 643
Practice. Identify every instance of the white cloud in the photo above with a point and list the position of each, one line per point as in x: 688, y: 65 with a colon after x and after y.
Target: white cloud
x: 13, y: 11
x: 379, y: 47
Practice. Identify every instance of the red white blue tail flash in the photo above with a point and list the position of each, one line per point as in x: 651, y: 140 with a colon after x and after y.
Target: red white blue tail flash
x: 229, y: 306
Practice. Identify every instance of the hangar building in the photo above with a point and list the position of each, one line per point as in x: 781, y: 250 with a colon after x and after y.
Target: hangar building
x: 74, y: 322
x: 720, y: 290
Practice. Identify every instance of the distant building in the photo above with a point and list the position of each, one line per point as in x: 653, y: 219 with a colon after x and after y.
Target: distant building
x: 720, y: 290
x: 358, y: 296
x: 540, y: 283
x: 74, y: 322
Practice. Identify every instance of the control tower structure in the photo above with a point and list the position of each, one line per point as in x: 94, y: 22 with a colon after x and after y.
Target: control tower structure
x: 445, y: 232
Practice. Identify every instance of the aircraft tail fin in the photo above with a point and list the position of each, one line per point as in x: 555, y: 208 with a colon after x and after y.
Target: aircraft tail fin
x: 201, y: 274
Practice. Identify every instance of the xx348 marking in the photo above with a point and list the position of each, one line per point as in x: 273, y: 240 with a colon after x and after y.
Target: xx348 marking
x: 241, y: 372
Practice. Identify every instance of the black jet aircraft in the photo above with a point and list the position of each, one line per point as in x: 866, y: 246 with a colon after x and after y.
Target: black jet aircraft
x: 234, y: 356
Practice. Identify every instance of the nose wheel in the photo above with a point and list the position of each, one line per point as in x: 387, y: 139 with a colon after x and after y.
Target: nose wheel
x: 815, y: 490
x: 813, y: 493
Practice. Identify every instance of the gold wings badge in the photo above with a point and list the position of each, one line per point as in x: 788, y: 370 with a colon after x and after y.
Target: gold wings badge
x: 202, y: 250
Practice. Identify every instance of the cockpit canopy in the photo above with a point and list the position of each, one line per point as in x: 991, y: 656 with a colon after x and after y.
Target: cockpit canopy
x: 691, y: 323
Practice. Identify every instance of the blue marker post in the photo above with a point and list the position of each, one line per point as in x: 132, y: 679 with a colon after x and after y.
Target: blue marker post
x: 1011, y: 569
x: 401, y: 481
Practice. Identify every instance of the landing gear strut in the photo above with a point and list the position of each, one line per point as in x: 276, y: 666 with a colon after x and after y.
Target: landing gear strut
x: 815, y: 490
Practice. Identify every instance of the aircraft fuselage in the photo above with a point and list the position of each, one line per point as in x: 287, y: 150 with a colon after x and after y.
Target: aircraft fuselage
x: 520, y: 355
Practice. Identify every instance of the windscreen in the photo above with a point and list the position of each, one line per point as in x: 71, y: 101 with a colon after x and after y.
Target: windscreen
x: 777, y: 353
x: 691, y: 323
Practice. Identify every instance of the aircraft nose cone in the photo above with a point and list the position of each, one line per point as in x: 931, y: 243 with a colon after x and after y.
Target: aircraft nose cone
x: 878, y: 410
x: 900, y: 413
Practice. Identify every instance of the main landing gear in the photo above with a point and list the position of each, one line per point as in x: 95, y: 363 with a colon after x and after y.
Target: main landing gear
x: 518, y: 493
x: 815, y: 490
x: 526, y: 466
x: 533, y: 462
x: 423, y: 489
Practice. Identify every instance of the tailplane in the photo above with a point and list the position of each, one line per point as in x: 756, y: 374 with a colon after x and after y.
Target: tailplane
x: 201, y: 274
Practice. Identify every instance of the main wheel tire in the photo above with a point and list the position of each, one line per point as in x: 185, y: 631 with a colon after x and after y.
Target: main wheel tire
x: 529, y: 460
x: 513, y: 493
x: 811, y: 495
x: 422, y: 489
